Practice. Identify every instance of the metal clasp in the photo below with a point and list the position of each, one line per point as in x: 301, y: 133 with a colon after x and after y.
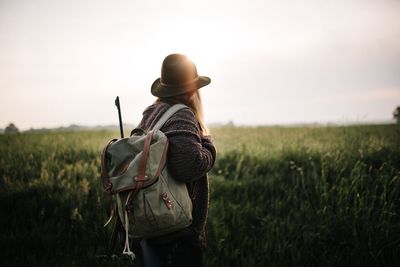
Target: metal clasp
x: 167, y: 200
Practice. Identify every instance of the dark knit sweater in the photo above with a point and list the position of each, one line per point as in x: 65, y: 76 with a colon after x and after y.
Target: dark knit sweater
x: 190, y: 156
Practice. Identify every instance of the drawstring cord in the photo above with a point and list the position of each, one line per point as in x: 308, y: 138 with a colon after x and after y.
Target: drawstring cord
x: 127, y: 249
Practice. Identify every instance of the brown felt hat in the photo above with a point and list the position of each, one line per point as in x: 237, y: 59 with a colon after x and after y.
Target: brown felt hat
x: 178, y: 76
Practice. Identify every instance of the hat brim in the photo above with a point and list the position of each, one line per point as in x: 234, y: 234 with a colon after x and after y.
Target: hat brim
x: 163, y: 90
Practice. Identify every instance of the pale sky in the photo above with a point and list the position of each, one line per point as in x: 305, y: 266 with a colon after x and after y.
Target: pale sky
x: 270, y: 62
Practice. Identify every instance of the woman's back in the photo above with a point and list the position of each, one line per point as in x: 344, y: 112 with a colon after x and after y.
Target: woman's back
x: 191, y: 154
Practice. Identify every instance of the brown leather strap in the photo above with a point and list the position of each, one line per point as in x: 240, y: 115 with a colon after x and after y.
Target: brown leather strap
x: 107, y: 185
x: 141, y: 176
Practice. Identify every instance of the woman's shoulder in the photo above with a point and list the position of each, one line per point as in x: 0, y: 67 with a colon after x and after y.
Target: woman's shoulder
x: 155, y: 108
x: 183, y: 122
x: 160, y: 107
x: 185, y: 112
x: 182, y: 117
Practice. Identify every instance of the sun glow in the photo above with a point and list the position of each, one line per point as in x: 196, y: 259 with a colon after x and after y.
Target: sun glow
x: 204, y: 42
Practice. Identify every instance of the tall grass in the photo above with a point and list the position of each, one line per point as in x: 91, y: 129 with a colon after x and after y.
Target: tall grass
x: 301, y: 196
x: 307, y: 197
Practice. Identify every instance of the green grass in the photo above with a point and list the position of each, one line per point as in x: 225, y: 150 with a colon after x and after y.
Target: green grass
x: 300, y: 196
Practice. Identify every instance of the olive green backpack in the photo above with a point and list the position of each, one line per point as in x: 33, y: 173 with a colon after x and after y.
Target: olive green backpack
x: 147, y: 200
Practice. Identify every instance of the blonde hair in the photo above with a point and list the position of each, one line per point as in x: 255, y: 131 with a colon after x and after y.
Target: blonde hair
x: 193, y: 101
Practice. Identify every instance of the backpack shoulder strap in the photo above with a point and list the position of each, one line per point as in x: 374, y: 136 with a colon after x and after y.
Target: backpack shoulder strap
x: 171, y: 111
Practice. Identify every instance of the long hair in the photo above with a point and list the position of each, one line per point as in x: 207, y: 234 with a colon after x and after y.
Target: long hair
x: 193, y: 101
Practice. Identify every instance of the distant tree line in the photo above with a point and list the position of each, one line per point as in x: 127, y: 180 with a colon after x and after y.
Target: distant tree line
x: 396, y: 114
x: 11, y: 129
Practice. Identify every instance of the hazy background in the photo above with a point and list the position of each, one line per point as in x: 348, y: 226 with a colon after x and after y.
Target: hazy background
x: 271, y: 62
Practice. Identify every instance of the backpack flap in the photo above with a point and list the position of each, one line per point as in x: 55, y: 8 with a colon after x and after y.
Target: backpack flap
x: 125, y: 156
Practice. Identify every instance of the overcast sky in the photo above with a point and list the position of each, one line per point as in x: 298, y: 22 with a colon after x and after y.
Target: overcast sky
x: 271, y: 62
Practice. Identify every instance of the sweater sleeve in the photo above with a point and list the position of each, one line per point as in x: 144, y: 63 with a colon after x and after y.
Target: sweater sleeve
x: 190, y: 156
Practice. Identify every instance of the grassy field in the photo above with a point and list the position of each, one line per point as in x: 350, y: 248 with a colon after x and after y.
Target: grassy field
x: 301, y: 196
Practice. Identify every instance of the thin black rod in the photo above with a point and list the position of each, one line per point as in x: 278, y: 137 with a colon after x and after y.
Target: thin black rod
x: 119, y: 116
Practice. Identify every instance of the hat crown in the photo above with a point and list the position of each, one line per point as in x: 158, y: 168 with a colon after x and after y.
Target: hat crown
x: 178, y: 76
x: 177, y: 70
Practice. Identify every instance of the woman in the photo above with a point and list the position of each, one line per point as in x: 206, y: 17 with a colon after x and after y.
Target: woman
x: 191, y: 154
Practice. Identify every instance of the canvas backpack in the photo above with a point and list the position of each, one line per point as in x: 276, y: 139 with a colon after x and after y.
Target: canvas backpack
x: 147, y: 200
